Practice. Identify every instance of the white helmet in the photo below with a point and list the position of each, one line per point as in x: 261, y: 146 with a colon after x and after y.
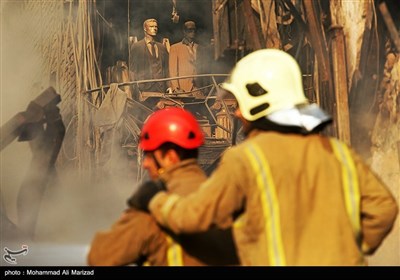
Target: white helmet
x: 268, y: 83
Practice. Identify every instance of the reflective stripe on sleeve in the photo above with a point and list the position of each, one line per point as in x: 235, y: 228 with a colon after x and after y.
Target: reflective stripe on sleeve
x: 350, y: 185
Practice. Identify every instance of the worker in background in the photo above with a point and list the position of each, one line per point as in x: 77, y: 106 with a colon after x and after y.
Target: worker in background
x: 293, y: 196
x: 170, y: 139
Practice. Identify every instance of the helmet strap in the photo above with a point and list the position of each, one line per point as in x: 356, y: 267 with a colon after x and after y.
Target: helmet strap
x: 160, y: 169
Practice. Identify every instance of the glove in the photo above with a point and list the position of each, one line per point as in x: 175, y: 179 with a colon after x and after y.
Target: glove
x: 142, y: 197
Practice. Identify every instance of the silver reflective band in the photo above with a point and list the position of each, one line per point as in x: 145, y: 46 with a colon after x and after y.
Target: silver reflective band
x: 308, y: 116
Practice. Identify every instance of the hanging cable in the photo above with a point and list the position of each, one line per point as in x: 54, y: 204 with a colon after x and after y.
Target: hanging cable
x: 129, y: 34
x: 174, y: 15
x: 375, y: 21
x: 236, y: 33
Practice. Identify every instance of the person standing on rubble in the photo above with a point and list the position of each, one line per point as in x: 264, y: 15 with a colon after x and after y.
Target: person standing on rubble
x: 149, y: 59
x: 293, y: 196
x: 170, y: 139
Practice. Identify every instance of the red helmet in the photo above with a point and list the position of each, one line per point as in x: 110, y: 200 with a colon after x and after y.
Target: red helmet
x: 174, y: 125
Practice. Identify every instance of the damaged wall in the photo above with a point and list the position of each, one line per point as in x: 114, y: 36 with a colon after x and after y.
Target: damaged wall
x: 353, y: 16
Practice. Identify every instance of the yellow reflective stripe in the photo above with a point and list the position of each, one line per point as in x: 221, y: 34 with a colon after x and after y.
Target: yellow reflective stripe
x: 270, y: 205
x: 166, y: 208
x: 350, y: 185
x: 174, y: 253
x: 239, y: 222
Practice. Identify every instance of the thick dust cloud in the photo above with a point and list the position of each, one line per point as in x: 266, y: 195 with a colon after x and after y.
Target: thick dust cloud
x: 72, y: 206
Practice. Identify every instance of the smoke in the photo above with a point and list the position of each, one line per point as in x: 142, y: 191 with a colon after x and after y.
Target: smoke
x: 72, y: 206
x: 18, y: 62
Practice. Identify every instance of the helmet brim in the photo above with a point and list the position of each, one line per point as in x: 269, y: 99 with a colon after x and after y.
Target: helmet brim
x: 226, y: 91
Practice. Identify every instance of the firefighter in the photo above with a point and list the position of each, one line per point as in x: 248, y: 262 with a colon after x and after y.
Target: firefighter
x: 170, y: 139
x: 293, y: 196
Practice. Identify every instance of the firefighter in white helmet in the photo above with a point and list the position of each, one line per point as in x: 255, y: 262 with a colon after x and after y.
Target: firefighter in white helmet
x: 293, y: 196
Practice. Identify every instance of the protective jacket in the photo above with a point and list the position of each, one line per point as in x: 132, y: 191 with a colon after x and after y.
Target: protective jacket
x: 136, y: 237
x: 292, y: 200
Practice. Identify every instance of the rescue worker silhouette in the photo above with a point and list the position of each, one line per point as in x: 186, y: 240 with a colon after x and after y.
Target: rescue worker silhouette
x: 170, y: 139
x: 293, y: 196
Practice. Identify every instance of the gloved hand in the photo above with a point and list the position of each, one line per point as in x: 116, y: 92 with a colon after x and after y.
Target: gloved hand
x: 143, y: 195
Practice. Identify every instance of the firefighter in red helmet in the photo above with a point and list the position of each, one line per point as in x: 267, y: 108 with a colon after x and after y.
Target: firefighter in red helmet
x: 173, y: 125
x: 170, y: 139
x: 180, y: 134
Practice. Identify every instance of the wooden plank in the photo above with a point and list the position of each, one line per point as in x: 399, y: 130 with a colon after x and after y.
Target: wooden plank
x: 317, y: 39
x: 251, y: 25
x: 340, y: 83
x: 394, y: 34
x: 318, y: 43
